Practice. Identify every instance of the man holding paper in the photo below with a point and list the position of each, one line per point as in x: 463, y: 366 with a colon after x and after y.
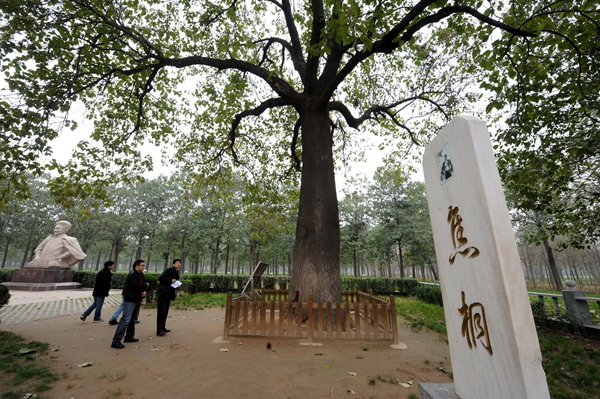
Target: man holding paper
x: 167, y: 282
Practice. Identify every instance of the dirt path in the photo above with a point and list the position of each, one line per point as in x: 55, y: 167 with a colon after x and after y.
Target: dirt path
x: 186, y: 363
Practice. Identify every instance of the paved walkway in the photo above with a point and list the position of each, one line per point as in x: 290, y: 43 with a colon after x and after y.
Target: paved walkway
x: 36, y: 305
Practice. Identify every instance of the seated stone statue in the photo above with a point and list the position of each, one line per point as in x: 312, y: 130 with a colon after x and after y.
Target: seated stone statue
x: 58, y: 250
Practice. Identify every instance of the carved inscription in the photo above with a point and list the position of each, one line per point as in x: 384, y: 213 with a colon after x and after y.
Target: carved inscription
x: 474, y: 325
x: 459, y: 241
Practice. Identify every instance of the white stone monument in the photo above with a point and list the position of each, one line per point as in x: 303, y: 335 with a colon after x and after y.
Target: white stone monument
x: 493, y: 341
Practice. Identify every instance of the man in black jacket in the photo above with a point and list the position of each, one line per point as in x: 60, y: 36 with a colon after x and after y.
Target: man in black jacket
x: 166, y: 293
x: 134, y: 291
x: 101, y: 289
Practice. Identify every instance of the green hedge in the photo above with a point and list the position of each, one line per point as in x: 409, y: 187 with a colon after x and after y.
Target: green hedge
x: 381, y: 286
x: 151, y: 293
x: 87, y: 278
x: 6, y: 275
x: 193, y: 283
x: 430, y: 294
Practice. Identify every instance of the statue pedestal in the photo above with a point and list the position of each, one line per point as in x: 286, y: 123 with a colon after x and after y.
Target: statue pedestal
x: 33, y: 279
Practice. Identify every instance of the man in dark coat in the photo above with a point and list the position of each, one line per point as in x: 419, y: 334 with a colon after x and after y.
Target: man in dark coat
x: 165, y: 293
x: 101, y: 289
x: 134, y: 291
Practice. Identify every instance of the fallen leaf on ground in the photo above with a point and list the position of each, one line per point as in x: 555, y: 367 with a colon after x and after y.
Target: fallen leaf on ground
x: 224, y: 350
x: 351, y: 392
x: 326, y: 367
x: 352, y: 374
x: 407, y: 384
x: 86, y: 364
x: 153, y: 349
x: 24, y: 351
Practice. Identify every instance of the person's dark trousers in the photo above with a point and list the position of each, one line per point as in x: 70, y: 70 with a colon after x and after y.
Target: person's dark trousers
x: 162, y: 308
x: 97, y: 304
x: 126, y: 326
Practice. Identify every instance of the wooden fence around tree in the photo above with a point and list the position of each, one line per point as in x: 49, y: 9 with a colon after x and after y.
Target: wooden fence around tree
x: 360, y: 316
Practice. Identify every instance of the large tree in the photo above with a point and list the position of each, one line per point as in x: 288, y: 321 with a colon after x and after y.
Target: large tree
x: 270, y: 85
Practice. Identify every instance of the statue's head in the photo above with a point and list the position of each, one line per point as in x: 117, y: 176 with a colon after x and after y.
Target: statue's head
x: 61, y: 227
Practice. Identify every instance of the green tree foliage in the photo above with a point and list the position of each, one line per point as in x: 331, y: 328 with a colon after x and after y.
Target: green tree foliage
x: 400, y: 208
x: 270, y: 85
x: 549, y: 148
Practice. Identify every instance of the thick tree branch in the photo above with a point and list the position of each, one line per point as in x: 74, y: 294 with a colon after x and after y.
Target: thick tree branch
x: 296, y: 47
x: 297, y: 163
x: 262, y: 107
x: 318, y: 23
x: 393, y: 39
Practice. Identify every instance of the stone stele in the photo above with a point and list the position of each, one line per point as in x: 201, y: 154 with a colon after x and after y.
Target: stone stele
x: 492, y: 336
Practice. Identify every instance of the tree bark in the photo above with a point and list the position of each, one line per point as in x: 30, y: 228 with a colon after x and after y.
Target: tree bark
x: 400, y: 259
x: 552, y: 266
x: 316, y: 267
x: 5, y: 252
x: 25, y: 254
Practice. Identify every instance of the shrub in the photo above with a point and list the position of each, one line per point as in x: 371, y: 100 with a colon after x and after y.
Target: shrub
x: 151, y: 293
x: 430, y: 294
x: 6, y: 275
x: 4, y: 296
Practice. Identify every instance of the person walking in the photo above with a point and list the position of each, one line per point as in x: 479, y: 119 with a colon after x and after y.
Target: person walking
x: 166, y: 293
x: 101, y: 290
x: 134, y: 291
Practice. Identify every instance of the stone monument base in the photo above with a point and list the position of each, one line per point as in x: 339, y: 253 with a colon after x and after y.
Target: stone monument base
x: 437, y: 391
x: 33, y: 279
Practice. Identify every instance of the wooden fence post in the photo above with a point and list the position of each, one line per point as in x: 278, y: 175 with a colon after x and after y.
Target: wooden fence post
x: 227, y: 316
x: 309, y: 327
x: 394, y: 320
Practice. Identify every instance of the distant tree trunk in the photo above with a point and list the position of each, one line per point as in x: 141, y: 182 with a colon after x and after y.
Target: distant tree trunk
x: 530, y: 264
x: 434, y: 271
x: 215, y: 258
x: 5, y: 252
x: 98, y: 260
x: 355, y: 259
x: 227, y: 259
x: 166, y: 259
x: 25, y: 254
x: 400, y: 259
x: 117, y: 250
x: 552, y: 266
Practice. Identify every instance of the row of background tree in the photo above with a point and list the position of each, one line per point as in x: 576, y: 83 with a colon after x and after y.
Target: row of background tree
x: 227, y: 226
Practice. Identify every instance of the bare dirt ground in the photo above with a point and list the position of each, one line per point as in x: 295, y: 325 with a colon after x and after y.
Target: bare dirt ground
x: 186, y: 363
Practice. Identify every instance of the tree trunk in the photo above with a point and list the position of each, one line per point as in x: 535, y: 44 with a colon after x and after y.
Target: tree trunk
x: 552, y: 265
x: 5, y: 252
x: 401, y: 260
x: 227, y: 259
x: 25, y: 254
x: 316, y: 267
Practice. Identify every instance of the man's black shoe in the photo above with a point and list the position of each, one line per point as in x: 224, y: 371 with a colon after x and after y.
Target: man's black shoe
x: 113, y: 322
x: 136, y: 322
x: 117, y: 345
x: 160, y: 334
x: 130, y: 340
x: 165, y: 330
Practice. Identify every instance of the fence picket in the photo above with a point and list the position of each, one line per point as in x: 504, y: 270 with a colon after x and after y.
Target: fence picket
x: 257, y: 318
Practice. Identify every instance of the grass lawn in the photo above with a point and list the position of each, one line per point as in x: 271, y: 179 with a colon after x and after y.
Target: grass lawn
x: 23, y: 367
